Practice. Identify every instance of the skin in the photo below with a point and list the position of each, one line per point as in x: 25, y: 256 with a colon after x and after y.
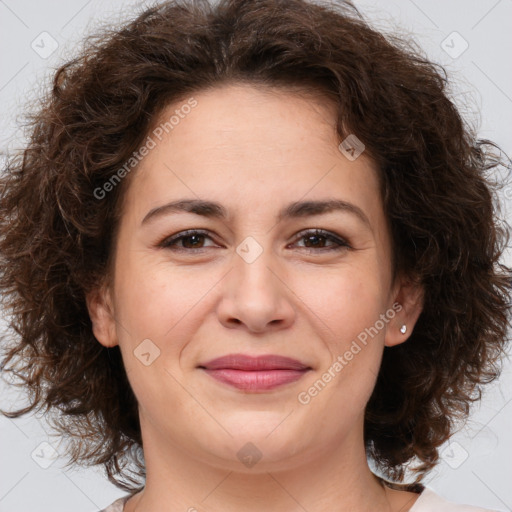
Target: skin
x: 253, y: 150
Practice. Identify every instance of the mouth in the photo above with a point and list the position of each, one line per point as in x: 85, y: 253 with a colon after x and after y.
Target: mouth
x: 255, y: 374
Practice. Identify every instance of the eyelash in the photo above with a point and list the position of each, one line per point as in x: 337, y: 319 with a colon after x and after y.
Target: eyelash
x: 341, y: 244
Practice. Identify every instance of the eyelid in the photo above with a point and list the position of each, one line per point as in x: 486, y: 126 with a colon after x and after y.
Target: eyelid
x: 166, y: 242
x: 340, y: 242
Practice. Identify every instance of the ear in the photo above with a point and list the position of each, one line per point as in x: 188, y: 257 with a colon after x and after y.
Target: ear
x: 408, y: 304
x: 101, y: 312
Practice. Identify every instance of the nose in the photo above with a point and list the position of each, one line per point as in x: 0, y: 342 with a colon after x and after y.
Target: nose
x: 256, y: 296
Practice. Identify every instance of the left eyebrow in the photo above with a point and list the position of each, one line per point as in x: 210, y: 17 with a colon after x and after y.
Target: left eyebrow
x: 197, y: 206
x: 297, y: 209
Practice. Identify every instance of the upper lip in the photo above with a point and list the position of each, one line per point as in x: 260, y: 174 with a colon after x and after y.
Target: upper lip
x: 254, y: 363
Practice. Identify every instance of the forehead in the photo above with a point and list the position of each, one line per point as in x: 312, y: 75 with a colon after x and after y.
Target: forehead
x: 243, y: 118
x: 240, y: 142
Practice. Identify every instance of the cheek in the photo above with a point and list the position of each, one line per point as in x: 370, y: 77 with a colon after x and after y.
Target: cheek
x: 346, y: 305
x: 345, y: 300
x: 155, y: 307
x: 153, y: 301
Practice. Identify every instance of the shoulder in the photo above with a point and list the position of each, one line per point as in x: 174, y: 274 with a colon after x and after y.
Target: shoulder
x: 117, y: 506
x: 429, y: 501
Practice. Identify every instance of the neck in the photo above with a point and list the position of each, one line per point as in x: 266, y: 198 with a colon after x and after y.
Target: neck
x: 336, y: 479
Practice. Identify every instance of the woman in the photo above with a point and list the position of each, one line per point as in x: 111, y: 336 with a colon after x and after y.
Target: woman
x: 250, y: 249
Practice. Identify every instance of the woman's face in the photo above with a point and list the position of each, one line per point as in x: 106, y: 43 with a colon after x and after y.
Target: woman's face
x: 255, y: 281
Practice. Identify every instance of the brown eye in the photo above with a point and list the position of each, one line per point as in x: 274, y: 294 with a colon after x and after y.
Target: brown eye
x: 186, y: 240
x: 317, y: 239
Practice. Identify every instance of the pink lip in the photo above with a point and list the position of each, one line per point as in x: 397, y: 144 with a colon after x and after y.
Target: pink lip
x: 255, y: 373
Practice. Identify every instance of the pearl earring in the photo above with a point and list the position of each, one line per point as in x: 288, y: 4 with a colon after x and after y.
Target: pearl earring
x: 403, y: 329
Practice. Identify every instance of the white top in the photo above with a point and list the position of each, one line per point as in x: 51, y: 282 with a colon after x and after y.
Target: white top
x: 428, y: 501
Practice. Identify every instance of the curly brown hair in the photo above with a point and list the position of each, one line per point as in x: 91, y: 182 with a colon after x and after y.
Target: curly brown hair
x: 57, y: 238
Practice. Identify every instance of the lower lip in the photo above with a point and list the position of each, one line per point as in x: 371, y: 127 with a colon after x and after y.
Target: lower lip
x: 263, y: 380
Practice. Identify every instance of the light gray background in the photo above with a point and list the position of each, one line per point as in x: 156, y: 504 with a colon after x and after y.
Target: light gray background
x: 475, y: 467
